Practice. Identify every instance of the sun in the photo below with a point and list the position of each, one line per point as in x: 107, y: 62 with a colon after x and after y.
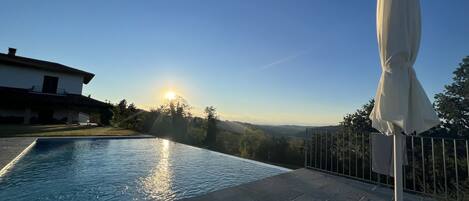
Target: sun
x: 170, y: 95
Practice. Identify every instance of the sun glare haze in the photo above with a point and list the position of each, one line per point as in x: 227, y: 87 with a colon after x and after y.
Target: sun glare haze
x: 170, y: 95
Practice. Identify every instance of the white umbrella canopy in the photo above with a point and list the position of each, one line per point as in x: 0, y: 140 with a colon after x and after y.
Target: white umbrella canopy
x: 401, y: 104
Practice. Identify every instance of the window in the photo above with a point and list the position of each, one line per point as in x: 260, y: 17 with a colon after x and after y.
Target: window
x: 50, y: 84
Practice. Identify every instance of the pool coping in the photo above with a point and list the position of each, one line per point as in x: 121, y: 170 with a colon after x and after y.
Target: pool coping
x: 116, y: 137
x: 12, y: 163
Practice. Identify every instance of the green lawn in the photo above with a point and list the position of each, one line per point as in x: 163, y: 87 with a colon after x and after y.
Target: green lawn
x: 61, y: 130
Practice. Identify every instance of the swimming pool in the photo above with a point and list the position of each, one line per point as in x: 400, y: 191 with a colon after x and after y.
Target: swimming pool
x: 124, y: 169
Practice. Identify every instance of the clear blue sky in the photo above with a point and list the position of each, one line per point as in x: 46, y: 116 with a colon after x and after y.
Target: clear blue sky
x: 276, y: 62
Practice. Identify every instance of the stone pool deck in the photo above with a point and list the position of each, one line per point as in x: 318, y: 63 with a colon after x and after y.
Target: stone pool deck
x: 304, y: 185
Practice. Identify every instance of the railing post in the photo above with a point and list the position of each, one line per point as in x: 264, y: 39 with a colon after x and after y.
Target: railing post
x: 413, y: 164
x: 363, y: 155
x: 320, y: 150
x: 369, y: 155
x: 349, y: 155
x: 343, y: 153
x: 467, y: 159
x: 310, y: 137
x: 456, y: 168
x: 337, y: 154
x: 332, y: 153
x: 404, y: 172
x: 315, y: 150
x: 305, y: 147
x: 433, y: 166
x: 356, y: 155
x: 325, y: 161
x: 444, y: 166
x: 423, y: 164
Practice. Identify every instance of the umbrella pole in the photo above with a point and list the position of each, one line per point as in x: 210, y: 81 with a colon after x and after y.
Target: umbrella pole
x: 398, y: 189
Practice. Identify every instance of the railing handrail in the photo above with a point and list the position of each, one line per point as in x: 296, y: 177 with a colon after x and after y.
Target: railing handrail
x: 419, y: 136
x: 38, y: 89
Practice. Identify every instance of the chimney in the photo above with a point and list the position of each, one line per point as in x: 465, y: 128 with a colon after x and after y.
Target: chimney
x: 11, y: 51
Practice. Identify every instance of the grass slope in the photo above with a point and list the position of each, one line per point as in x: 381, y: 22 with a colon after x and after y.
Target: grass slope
x: 61, y: 130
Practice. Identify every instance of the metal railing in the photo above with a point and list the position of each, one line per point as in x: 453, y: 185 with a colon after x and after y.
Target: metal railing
x: 437, y: 167
x: 38, y: 89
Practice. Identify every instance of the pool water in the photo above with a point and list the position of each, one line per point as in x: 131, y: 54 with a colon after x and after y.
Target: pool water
x: 124, y: 169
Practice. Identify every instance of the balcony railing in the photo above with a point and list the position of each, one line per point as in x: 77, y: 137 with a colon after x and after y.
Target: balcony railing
x: 38, y: 89
x: 438, y: 167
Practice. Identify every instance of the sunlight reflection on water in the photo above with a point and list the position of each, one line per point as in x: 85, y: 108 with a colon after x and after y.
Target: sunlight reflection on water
x: 158, y: 185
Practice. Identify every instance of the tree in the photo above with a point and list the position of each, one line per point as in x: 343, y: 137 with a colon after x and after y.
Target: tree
x: 211, y: 137
x: 149, y: 122
x: 279, y: 150
x: 105, y: 116
x: 178, y: 111
x: 359, y: 122
x: 250, y: 142
x: 119, y: 111
x: 196, y: 131
x: 132, y: 116
x: 353, y: 126
x: 126, y: 116
x: 453, y: 103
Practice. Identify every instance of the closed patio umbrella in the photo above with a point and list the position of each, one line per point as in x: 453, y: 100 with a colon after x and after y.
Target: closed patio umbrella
x: 401, y: 105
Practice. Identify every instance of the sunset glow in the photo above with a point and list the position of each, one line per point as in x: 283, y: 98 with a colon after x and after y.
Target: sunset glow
x: 170, y: 95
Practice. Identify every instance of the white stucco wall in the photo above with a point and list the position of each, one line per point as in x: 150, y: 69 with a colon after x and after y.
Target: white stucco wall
x: 83, y: 117
x: 72, y: 116
x: 19, y: 77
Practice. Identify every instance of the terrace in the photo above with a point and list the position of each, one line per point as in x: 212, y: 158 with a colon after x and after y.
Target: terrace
x: 322, y: 179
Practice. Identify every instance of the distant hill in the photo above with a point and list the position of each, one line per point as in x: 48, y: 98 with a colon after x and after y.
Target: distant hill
x: 232, y: 126
x: 325, y: 129
x: 284, y: 130
x: 274, y: 130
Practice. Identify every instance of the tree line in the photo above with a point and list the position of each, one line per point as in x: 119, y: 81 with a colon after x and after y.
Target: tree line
x: 173, y: 120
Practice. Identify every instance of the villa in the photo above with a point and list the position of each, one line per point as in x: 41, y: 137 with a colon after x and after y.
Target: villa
x: 35, y: 91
